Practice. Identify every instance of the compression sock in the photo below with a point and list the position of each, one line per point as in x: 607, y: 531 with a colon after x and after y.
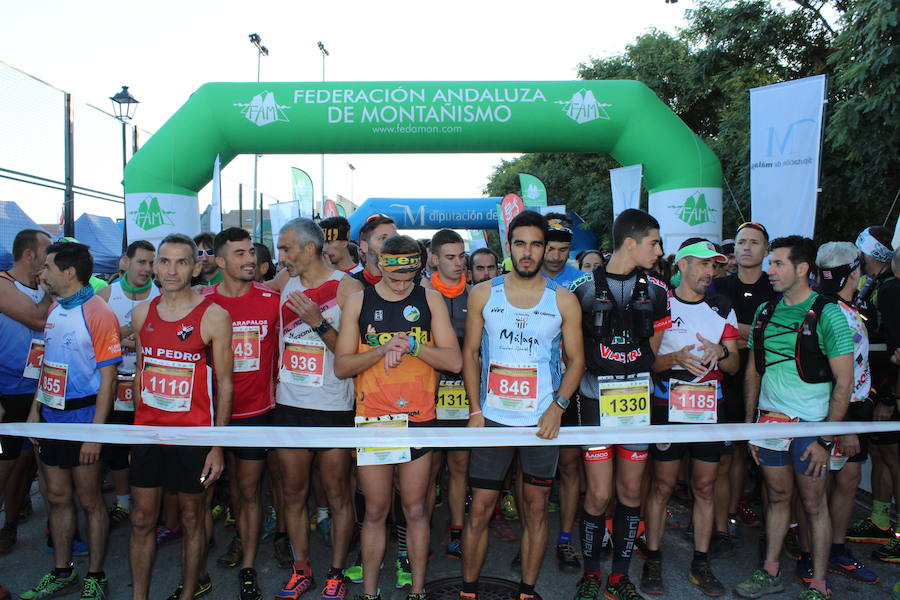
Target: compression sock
x: 591, y: 539
x: 625, y: 526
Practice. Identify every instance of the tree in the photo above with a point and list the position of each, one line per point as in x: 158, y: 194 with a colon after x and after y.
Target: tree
x: 704, y: 73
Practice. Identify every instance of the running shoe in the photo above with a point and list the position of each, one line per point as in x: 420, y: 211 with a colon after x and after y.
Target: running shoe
x: 417, y: 596
x: 233, y: 555
x: 282, y: 550
x: 297, y: 585
x: 516, y: 563
x: 8, y: 537
x: 865, y: 531
x: 747, y: 514
x: 164, y: 535
x: 119, y: 515
x: 722, y: 546
x: 25, y: 513
x: 804, y: 571
x: 846, y: 564
x: 792, y: 543
x: 217, y: 511
x: 230, y: 522
x: 552, y: 506
x: 702, y: 576
x: 733, y: 531
x: 890, y: 552
x: 94, y: 588
x: 438, y: 495
x: 651, y: 577
x: 368, y: 596
x: 623, y: 589
x: 336, y: 586
x: 508, y: 507
x: 249, y: 586
x: 355, y: 571
x: 588, y: 587
x: 895, y: 591
x: 640, y: 545
x: 759, y: 584
x: 567, y: 558
x: 204, y: 587
x: 51, y: 585
x: 454, y: 549
x: 270, y: 523
x: 502, y: 529
x: 813, y: 594
x: 402, y: 571
x: 467, y: 596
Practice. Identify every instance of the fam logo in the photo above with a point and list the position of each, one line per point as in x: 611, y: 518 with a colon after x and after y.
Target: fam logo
x: 150, y: 215
x: 694, y: 210
x: 583, y: 107
x: 263, y: 109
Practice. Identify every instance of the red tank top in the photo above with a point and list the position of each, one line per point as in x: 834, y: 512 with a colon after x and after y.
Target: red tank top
x: 176, y: 378
x: 254, y: 342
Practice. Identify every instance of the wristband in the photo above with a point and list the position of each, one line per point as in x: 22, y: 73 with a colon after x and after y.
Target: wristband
x: 725, y: 350
x: 414, y: 347
x: 477, y: 412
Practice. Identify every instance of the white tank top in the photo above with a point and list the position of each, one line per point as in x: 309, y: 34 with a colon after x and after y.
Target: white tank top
x: 520, y: 350
x: 306, y: 368
x: 122, y: 305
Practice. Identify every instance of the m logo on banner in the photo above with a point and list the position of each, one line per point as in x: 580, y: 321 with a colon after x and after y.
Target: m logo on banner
x: 789, y: 137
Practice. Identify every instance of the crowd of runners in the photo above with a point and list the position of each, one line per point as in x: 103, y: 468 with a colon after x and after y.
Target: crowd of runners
x: 388, y: 331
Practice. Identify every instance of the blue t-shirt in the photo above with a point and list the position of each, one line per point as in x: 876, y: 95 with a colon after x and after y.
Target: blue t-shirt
x: 565, y: 277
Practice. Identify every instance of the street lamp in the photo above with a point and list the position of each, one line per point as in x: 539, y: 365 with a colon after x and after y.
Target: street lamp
x: 124, y: 107
x: 324, y: 54
x: 352, y: 168
x: 260, y: 52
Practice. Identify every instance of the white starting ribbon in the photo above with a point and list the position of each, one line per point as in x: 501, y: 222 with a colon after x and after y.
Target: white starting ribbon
x: 430, y: 437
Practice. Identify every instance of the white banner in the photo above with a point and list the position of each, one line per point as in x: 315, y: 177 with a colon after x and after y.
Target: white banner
x: 785, y: 143
x: 432, y: 437
x: 152, y: 216
x: 215, y: 211
x: 687, y: 212
x: 279, y: 214
x: 625, y: 183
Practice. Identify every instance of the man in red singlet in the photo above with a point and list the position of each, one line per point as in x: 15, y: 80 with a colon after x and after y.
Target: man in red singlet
x: 254, y: 340
x: 176, y: 333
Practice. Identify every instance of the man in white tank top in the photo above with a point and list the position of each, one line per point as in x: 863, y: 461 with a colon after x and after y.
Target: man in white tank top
x: 515, y: 329
x: 135, y: 286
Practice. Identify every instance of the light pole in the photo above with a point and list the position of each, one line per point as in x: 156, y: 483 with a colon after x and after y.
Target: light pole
x: 352, y: 168
x: 124, y: 107
x: 260, y: 52
x: 324, y: 54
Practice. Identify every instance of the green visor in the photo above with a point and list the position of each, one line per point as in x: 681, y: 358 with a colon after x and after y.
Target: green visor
x: 702, y: 249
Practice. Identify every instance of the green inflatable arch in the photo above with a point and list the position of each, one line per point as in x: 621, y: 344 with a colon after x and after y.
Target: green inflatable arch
x: 622, y: 118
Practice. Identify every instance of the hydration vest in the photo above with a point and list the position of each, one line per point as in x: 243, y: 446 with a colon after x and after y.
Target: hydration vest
x: 632, y: 323
x: 812, y: 364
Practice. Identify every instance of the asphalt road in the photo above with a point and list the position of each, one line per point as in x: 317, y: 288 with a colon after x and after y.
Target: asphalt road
x: 24, y: 566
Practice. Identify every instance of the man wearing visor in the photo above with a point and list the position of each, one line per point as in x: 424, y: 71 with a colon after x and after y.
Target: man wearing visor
x: 693, y: 354
x: 559, y: 245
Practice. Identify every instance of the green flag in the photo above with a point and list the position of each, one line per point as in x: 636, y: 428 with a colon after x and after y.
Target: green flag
x: 533, y: 191
x: 342, y: 211
x: 303, y: 191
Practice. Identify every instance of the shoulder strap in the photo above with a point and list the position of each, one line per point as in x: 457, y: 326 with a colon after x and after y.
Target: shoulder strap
x: 759, y: 337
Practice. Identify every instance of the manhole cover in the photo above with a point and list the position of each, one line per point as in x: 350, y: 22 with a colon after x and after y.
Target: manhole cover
x: 489, y: 588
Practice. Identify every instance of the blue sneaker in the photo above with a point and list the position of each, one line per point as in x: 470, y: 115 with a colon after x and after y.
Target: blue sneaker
x: 804, y: 570
x: 79, y: 547
x: 845, y: 564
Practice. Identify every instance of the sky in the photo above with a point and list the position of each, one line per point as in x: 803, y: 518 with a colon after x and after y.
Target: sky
x: 164, y: 50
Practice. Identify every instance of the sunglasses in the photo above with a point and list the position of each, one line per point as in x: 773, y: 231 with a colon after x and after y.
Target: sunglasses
x: 208, y: 252
x: 377, y: 216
